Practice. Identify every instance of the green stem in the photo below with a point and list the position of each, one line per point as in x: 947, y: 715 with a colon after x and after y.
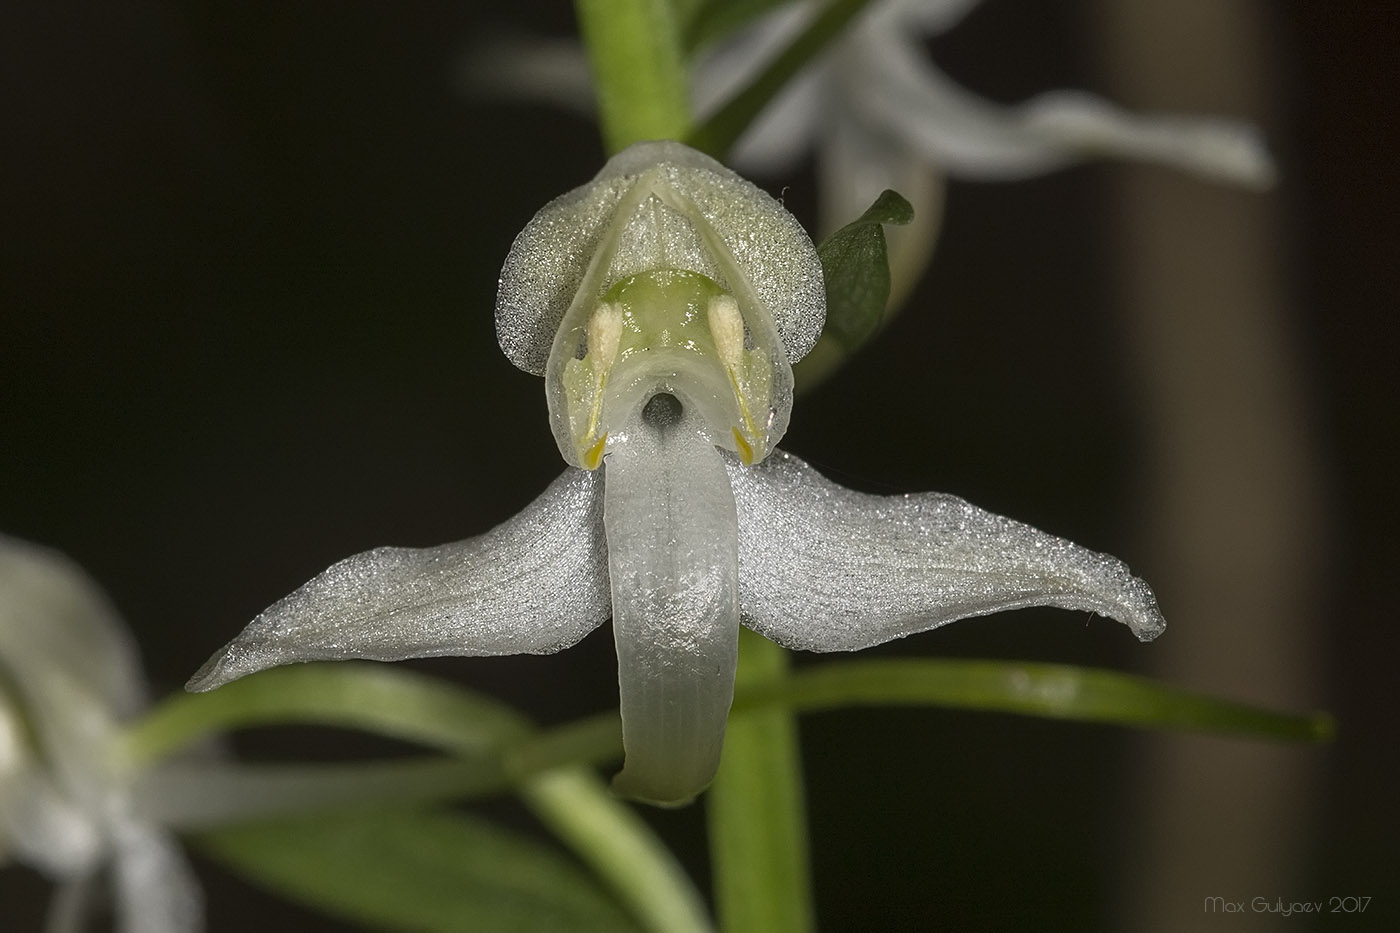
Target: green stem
x: 400, y: 703
x: 638, y: 68
x: 617, y: 844
x: 594, y: 740
x: 755, y: 807
x: 388, y: 701
x: 756, y: 810
x: 1051, y: 691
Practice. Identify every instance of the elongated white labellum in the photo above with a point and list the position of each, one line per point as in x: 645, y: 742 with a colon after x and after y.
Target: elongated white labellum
x: 672, y: 535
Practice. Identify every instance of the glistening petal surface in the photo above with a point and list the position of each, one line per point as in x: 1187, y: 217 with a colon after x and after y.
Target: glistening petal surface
x: 533, y: 585
x: 590, y: 237
x: 672, y: 542
x: 824, y: 568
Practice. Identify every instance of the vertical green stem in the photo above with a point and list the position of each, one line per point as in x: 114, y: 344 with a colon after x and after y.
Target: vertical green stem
x: 638, y: 69
x: 755, y: 807
x: 618, y: 845
x: 756, y: 811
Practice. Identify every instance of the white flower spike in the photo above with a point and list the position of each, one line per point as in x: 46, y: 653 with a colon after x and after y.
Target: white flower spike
x: 664, y: 302
x: 69, y: 676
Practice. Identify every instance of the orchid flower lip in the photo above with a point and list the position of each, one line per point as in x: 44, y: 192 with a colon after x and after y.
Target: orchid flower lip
x: 672, y: 539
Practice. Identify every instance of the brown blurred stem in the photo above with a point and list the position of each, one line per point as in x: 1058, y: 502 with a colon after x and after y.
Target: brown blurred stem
x: 1232, y: 484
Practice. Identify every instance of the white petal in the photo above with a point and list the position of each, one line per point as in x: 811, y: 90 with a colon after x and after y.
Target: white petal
x: 731, y: 64
x: 1081, y: 123
x: 68, y: 672
x: 672, y: 542
x: 892, y: 84
x: 45, y: 829
x: 156, y: 889
x: 533, y: 585
x: 53, y: 617
x: 780, y: 138
x: 577, y: 237
x: 550, y: 70
x: 927, y: 17
x: 823, y: 568
x: 659, y: 209
x: 782, y: 134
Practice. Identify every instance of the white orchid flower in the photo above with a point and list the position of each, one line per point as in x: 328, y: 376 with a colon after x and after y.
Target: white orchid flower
x: 879, y: 114
x: 69, y: 677
x: 876, y: 91
x: 877, y: 84
x: 664, y: 302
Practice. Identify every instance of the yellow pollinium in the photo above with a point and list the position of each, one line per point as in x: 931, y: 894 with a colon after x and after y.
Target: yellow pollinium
x: 676, y: 331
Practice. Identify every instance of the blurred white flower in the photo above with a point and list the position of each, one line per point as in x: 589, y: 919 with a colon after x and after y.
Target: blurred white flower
x: 69, y: 677
x: 876, y: 91
x: 663, y: 302
x: 879, y: 114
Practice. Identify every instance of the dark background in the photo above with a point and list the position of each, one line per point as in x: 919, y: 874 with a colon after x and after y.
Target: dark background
x: 247, y: 267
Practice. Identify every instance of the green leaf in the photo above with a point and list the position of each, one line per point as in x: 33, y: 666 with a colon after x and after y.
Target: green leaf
x: 638, y: 69
x: 497, y: 742
x: 1053, y: 691
x: 724, y: 127
x: 856, y: 269
x: 595, y: 739
x: 756, y: 811
x: 205, y: 793
x: 418, y: 871
x: 391, y: 701
x: 616, y: 842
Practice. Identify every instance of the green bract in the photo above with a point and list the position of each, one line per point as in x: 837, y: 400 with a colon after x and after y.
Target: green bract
x: 855, y: 263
